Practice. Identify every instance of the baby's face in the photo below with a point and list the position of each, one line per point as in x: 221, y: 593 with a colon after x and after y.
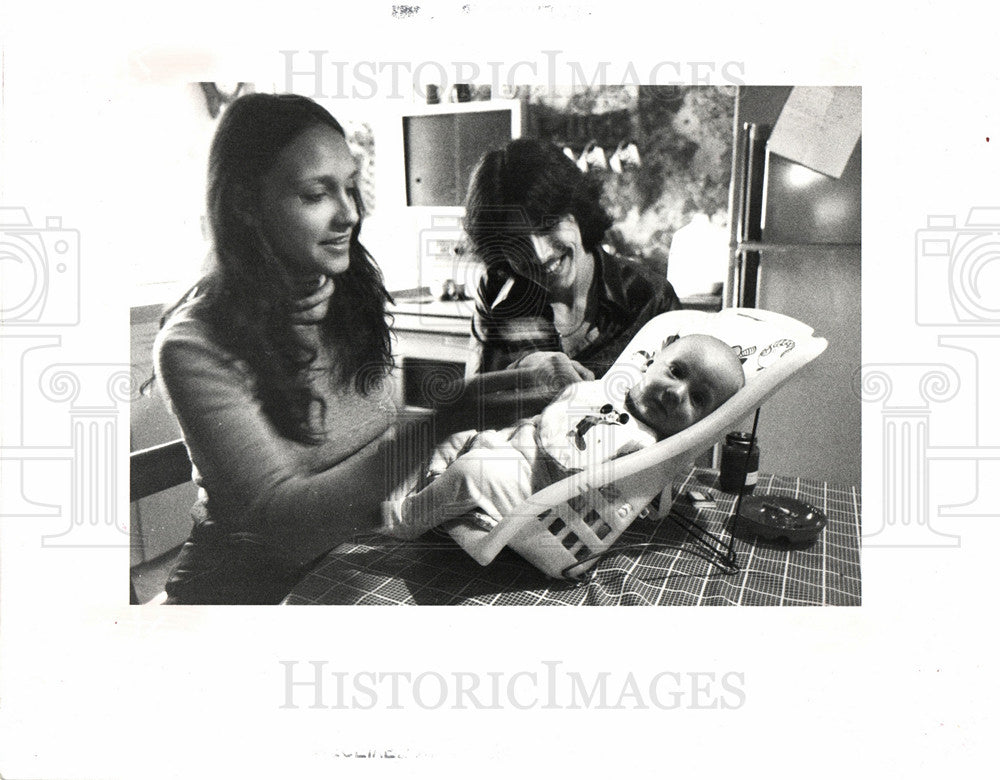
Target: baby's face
x: 686, y: 381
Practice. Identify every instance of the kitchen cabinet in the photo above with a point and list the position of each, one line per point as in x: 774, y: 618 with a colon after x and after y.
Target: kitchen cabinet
x: 442, y: 144
x: 431, y: 343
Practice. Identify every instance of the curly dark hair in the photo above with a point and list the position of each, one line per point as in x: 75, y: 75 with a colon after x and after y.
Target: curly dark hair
x: 247, y: 301
x: 527, y: 187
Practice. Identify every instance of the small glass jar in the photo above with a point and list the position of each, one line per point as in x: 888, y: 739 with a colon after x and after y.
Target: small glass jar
x: 737, y: 469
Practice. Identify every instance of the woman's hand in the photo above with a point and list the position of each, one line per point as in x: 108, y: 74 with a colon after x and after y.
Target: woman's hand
x: 497, y: 398
x: 492, y: 480
x: 311, y: 307
x: 554, y: 370
x: 447, y: 452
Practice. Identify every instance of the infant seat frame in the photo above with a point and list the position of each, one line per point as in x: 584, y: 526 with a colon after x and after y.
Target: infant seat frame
x: 566, y: 527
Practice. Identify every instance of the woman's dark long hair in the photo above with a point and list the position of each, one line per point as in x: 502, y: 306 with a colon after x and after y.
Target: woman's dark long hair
x: 524, y: 188
x: 247, y: 302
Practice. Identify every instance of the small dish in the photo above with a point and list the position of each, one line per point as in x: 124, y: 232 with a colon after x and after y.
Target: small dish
x: 780, y: 517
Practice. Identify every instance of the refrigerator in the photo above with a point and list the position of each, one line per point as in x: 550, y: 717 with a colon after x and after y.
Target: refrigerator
x: 796, y: 249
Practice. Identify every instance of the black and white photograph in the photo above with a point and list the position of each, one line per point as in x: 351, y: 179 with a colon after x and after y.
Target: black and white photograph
x: 314, y: 319
x: 546, y: 246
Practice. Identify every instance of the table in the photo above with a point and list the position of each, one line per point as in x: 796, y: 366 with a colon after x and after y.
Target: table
x: 376, y: 570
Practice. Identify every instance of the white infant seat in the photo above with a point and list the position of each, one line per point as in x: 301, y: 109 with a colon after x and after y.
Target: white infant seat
x: 584, y: 514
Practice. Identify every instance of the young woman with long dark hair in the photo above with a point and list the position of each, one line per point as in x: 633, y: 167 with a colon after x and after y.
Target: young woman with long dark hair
x: 277, y: 363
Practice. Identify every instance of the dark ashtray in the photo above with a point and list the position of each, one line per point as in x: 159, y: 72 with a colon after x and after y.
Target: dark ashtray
x: 779, y: 517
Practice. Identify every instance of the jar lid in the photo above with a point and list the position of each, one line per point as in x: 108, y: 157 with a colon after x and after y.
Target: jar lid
x: 741, y: 438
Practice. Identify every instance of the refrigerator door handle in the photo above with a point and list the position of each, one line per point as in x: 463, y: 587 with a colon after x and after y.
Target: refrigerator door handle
x: 747, y: 277
x: 752, y: 180
x: 751, y: 209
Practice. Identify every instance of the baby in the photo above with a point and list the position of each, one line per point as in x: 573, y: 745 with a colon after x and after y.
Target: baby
x: 481, y: 476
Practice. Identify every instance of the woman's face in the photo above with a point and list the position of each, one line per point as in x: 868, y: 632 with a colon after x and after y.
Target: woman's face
x: 307, y: 204
x: 558, y: 257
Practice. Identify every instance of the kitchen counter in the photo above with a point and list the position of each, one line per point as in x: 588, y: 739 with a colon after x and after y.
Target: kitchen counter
x: 421, y: 311
x: 432, y: 338
x: 424, y: 313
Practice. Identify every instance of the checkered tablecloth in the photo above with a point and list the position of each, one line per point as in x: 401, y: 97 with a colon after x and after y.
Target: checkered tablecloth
x: 434, y: 570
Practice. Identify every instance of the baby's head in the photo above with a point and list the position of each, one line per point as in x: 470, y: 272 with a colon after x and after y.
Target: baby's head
x: 686, y: 381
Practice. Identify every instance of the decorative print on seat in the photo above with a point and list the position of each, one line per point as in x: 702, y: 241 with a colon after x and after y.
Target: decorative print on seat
x: 608, y: 415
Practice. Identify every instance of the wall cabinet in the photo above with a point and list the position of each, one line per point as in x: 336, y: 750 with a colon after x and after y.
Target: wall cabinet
x: 442, y: 144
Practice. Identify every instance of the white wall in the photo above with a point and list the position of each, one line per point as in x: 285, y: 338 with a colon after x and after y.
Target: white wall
x: 162, y: 240
x: 159, y: 211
